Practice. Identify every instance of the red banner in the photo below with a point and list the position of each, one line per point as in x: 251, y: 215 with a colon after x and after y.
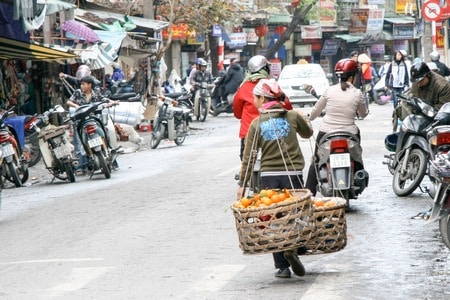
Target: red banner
x: 179, y: 32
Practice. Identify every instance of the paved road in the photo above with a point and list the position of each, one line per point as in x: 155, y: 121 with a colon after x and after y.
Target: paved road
x: 160, y: 228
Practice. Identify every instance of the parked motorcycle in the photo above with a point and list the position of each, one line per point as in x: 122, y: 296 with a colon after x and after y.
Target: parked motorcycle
x: 439, y: 139
x: 27, y: 134
x: 56, y: 149
x: 13, y: 165
x: 409, y: 162
x: 95, y: 130
x: 340, y: 167
x: 170, y: 122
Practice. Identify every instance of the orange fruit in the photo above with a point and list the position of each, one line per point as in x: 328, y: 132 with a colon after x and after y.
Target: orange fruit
x: 318, y: 203
x: 236, y: 204
x: 275, y: 198
x: 270, y: 193
x: 266, y: 201
x: 330, y: 203
x: 282, y: 196
x: 246, y: 201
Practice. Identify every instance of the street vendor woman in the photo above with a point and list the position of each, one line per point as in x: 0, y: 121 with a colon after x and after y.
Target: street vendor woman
x: 275, y: 133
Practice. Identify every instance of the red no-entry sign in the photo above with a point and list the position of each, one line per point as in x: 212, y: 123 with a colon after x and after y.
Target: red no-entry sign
x: 431, y: 10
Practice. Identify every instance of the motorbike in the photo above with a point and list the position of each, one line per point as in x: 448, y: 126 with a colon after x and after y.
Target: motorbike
x: 170, y: 122
x: 13, y: 164
x: 95, y: 129
x: 184, y: 100
x: 56, y: 149
x: 439, y: 168
x: 218, y: 107
x: 204, y: 101
x: 27, y: 133
x: 408, y: 163
x: 340, y: 167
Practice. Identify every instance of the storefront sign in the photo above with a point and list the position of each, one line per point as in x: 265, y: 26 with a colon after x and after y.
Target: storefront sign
x: 179, y: 32
x: 311, y: 32
x: 275, y: 67
x: 330, y: 47
x: 375, y: 21
x: 358, y: 21
x: 328, y: 12
x: 303, y: 50
x: 251, y: 36
x: 195, y: 39
x: 237, y: 40
x: 377, y: 49
x: 403, y: 32
x: 405, y: 6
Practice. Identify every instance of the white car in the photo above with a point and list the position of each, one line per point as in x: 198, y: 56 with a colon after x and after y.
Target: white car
x: 293, y: 79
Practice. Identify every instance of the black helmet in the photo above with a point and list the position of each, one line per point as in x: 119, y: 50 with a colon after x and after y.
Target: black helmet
x: 88, y: 79
x: 419, y: 71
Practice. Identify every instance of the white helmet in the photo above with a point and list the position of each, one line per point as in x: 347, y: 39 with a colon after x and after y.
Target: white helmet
x: 435, y: 56
x: 257, y: 63
x: 83, y: 71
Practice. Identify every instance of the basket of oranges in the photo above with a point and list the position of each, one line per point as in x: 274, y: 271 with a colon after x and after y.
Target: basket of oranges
x: 274, y: 220
x: 330, y: 226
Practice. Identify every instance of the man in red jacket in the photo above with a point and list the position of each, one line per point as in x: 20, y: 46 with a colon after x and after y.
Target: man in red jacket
x: 243, y: 103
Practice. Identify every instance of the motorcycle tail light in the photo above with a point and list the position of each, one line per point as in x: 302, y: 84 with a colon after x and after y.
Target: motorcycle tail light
x: 338, y: 146
x: 440, y: 139
x: 4, y: 136
x: 90, y: 128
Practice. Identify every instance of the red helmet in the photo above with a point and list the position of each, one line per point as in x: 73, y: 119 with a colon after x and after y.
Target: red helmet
x: 345, y: 68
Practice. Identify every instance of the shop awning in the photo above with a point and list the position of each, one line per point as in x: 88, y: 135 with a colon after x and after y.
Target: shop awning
x: 97, y: 56
x: 87, y: 15
x: 13, y: 49
x: 402, y: 20
x: 348, y: 37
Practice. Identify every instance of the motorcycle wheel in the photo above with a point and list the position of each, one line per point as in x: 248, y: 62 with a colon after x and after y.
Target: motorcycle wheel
x: 181, y: 133
x: 14, y: 175
x: 444, y: 228
x: 405, y: 184
x: 106, y: 170
x: 203, y: 111
x: 69, y: 171
x: 31, y: 149
x: 157, y: 136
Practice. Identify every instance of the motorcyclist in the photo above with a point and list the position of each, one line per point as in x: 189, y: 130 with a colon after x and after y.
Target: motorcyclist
x: 443, y: 69
x: 429, y: 86
x: 82, y: 96
x: 243, y: 105
x: 232, y: 81
x: 341, y: 101
x: 200, y: 75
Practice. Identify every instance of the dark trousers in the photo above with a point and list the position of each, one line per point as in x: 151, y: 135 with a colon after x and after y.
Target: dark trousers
x: 279, y: 182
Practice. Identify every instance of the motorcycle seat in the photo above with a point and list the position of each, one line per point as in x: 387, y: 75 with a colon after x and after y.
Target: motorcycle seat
x: 122, y: 97
x: 174, y: 95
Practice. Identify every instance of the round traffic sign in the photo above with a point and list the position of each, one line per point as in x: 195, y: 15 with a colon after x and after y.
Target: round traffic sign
x: 431, y: 10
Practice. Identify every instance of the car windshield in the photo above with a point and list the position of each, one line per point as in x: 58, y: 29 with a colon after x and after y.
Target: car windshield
x: 301, y: 73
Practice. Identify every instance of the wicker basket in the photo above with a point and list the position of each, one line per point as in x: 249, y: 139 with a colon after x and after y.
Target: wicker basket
x: 331, y: 228
x: 275, y: 228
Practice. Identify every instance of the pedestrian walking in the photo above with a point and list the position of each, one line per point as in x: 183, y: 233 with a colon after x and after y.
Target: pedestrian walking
x: 274, y: 132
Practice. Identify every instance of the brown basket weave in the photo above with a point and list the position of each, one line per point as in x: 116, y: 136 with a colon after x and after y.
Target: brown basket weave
x: 287, y: 225
x: 331, y: 228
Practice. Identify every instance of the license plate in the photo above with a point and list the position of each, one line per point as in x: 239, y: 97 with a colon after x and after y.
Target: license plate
x: 62, y: 151
x: 8, y: 150
x: 95, y: 142
x: 340, y: 160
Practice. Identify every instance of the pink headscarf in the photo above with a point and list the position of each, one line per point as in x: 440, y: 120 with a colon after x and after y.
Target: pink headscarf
x: 269, y: 88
